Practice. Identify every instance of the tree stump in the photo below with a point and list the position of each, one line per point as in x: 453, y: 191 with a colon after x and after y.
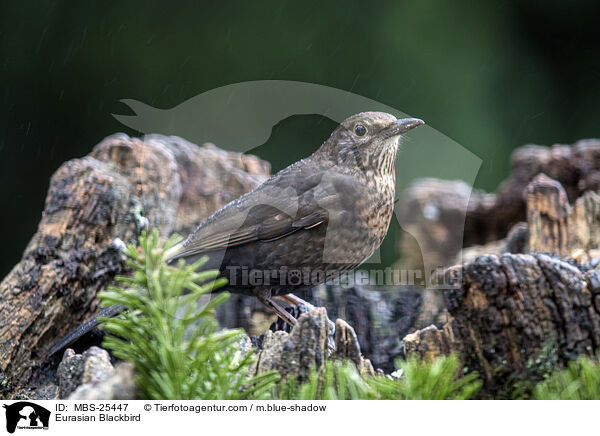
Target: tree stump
x: 547, y: 212
x: 515, y: 313
x: 122, y: 187
x: 556, y: 227
x: 432, y: 206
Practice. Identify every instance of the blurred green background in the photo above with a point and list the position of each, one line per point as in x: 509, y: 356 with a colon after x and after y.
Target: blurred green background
x: 490, y: 75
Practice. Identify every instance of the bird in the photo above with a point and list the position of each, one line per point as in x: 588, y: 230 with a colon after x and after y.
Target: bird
x: 307, y: 224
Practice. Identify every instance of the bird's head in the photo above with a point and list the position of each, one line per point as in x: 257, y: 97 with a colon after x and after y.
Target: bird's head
x: 368, y: 140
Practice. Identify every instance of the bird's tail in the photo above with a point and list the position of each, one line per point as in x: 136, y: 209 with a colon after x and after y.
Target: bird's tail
x: 84, y: 328
x: 171, y: 253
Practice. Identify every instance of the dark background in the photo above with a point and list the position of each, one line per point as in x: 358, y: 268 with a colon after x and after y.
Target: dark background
x: 490, y: 76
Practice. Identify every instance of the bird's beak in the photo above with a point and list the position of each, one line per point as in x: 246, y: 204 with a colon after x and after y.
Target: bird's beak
x: 403, y: 125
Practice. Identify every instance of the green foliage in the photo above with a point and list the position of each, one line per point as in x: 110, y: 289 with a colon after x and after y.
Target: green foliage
x: 337, y: 380
x: 174, y: 344
x: 421, y: 380
x: 537, y: 369
x: 428, y: 380
x: 579, y: 381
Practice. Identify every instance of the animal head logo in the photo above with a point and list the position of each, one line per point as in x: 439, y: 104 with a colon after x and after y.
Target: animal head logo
x: 26, y: 415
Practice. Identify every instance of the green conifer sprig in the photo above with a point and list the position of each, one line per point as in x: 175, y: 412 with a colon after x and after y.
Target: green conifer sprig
x: 174, y: 343
x: 579, y: 381
x: 420, y: 380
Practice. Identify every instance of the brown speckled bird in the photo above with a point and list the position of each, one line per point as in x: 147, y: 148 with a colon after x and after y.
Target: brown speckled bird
x: 307, y: 224
x: 310, y: 222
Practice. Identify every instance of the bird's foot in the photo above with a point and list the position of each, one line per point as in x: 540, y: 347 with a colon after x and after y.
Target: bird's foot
x: 305, y: 306
x: 280, y: 311
x: 296, y: 301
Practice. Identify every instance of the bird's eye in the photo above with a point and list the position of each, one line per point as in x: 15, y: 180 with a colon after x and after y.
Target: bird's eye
x: 360, y: 130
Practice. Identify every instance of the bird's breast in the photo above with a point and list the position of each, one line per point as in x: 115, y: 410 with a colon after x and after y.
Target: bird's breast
x: 362, y: 228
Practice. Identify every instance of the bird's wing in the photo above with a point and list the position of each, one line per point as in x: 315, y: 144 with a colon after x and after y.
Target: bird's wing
x: 297, y: 199
x: 275, y: 224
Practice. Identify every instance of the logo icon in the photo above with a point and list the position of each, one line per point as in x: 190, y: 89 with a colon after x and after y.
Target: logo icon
x: 26, y: 415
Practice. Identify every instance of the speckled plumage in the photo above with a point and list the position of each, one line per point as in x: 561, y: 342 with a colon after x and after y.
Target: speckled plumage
x: 317, y: 218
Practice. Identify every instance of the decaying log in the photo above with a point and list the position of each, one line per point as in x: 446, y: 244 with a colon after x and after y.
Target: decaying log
x: 430, y: 207
x: 553, y: 225
x: 547, y: 212
x: 122, y: 187
x: 517, y: 241
x: 381, y: 317
x: 431, y: 342
x: 513, y: 311
x: 583, y: 226
x: 433, y: 212
x: 576, y: 167
x: 556, y: 227
x: 308, y: 346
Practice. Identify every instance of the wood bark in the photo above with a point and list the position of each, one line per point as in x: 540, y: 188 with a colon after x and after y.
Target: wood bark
x: 308, y: 347
x: 515, y: 316
x: 435, y: 213
x: 122, y: 187
x: 576, y: 167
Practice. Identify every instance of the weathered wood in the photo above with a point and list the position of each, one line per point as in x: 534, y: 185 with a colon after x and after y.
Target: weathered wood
x: 347, y: 347
x: 517, y: 241
x: 123, y: 186
x: 513, y: 314
x: 381, y: 317
x: 429, y: 208
x: 556, y: 227
x: 547, y: 212
x: 516, y: 316
x: 433, y: 212
x: 308, y: 346
x: 576, y: 167
x: 584, y: 227
x: 431, y: 342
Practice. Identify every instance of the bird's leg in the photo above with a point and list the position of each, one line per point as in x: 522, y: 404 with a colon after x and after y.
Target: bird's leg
x: 296, y: 301
x: 268, y: 301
